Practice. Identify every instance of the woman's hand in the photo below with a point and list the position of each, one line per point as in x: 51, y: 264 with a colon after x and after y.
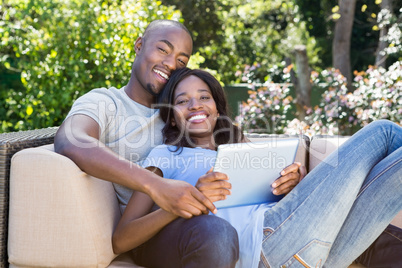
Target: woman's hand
x: 291, y: 176
x: 214, y: 185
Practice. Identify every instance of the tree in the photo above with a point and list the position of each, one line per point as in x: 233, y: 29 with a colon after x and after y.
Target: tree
x: 342, y: 39
x: 303, y: 85
x: 62, y: 49
x: 201, y: 18
x: 381, y: 57
x: 263, y: 32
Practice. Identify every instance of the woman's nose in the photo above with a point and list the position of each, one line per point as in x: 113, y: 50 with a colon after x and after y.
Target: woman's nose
x: 195, y: 104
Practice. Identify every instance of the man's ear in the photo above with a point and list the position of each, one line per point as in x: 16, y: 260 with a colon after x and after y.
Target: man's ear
x: 138, y: 44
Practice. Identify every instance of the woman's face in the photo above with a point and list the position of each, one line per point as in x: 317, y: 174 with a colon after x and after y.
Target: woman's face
x: 194, y: 108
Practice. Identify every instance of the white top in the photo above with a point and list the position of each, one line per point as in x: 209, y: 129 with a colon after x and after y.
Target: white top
x: 128, y: 128
x: 190, y: 164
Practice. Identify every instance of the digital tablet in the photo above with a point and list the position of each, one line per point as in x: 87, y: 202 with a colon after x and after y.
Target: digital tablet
x: 252, y: 168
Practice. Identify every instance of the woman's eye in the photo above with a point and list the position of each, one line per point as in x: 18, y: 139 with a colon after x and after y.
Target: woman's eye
x: 205, y: 97
x: 181, y: 102
x: 161, y: 49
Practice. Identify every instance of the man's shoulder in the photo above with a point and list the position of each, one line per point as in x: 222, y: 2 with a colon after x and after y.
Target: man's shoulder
x: 111, y: 92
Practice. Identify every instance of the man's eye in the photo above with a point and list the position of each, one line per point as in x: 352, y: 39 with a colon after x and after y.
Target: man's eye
x: 161, y: 49
x: 182, y: 63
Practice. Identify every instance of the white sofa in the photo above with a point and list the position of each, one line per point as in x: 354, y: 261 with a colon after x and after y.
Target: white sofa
x: 61, y: 217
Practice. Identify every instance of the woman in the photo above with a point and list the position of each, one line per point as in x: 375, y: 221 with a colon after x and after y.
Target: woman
x: 329, y: 219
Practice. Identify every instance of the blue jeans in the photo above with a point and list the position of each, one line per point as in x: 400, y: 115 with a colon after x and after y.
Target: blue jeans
x: 202, y: 241
x: 341, y: 206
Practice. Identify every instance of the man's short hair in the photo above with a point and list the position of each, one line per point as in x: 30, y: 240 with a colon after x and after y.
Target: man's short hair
x: 159, y: 23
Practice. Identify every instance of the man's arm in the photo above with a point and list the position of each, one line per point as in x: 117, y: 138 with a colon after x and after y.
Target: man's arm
x: 78, y: 139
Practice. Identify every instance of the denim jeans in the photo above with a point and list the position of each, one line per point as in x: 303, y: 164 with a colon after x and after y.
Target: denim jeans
x: 202, y: 241
x: 341, y: 206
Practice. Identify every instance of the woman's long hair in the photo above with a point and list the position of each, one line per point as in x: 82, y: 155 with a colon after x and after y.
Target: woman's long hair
x: 224, y: 131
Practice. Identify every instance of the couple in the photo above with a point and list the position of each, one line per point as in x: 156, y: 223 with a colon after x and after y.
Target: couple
x: 330, y: 218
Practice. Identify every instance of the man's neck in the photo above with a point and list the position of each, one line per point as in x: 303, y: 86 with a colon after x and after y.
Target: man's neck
x: 140, y: 96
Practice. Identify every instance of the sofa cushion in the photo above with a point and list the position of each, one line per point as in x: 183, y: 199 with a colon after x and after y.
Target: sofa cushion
x: 59, y: 216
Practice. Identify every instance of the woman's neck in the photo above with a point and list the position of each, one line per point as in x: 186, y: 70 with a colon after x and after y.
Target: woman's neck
x: 206, y: 143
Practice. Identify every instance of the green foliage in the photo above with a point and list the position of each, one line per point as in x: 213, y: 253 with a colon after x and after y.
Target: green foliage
x: 319, y: 17
x: 263, y: 32
x: 377, y: 96
x: 63, y: 49
x: 266, y: 109
x: 201, y: 18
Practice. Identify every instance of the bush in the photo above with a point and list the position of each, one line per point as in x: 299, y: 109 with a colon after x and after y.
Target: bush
x: 64, y: 49
x: 266, y: 109
x: 377, y: 96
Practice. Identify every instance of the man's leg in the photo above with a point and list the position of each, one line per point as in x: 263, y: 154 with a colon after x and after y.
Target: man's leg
x: 202, y: 241
x: 301, y: 228
x: 385, y: 251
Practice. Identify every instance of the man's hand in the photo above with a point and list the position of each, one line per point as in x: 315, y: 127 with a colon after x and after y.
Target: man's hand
x: 180, y: 198
x: 214, y: 185
x: 291, y: 176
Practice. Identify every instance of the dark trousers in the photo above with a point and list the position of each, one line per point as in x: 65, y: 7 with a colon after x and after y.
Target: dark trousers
x: 202, y: 241
x: 385, y: 252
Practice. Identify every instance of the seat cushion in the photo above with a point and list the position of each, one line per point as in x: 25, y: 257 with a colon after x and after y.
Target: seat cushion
x: 59, y: 216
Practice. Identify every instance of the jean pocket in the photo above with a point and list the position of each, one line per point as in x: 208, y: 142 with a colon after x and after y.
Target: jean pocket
x: 314, y: 254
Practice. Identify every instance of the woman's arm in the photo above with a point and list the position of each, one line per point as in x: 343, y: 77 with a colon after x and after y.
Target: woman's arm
x: 136, y: 226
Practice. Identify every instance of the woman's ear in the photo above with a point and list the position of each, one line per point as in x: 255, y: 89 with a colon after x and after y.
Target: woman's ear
x: 172, y: 122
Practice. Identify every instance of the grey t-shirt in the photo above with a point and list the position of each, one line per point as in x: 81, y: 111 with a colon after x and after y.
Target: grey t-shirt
x: 128, y: 128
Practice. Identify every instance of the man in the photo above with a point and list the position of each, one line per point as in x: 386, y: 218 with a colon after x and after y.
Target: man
x: 109, y: 129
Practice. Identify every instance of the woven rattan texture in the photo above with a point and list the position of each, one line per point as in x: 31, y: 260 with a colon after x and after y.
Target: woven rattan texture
x: 10, y: 143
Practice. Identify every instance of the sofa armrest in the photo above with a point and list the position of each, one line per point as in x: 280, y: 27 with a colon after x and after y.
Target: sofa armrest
x: 11, y: 143
x: 59, y: 216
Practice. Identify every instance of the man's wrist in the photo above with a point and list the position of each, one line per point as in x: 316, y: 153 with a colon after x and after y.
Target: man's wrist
x: 150, y: 184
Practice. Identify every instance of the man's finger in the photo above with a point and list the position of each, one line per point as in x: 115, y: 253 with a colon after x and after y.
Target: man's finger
x: 188, y: 211
x: 204, y: 200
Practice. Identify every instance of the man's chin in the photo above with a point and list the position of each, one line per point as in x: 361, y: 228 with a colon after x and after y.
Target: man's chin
x: 153, y: 91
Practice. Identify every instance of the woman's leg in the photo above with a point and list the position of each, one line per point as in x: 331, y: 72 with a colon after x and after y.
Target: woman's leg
x: 301, y: 228
x: 202, y: 241
x: 371, y: 212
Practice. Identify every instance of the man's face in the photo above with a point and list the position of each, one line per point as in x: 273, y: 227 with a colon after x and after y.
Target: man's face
x: 159, y: 53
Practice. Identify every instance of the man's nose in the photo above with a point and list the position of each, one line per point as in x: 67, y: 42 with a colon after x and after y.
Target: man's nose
x: 170, y: 62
